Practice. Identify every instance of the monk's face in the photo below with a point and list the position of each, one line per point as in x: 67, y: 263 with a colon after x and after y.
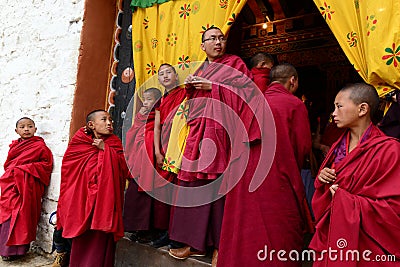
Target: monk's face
x: 149, y: 100
x: 167, y: 77
x: 264, y: 64
x: 101, y: 124
x: 25, y: 128
x: 214, y: 44
x: 346, y: 112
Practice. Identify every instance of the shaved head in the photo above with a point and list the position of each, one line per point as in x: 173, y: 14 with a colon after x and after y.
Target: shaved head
x: 24, y: 118
x: 282, y: 73
x: 90, y: 116
x: 363, y: 93
x: 257, y: 58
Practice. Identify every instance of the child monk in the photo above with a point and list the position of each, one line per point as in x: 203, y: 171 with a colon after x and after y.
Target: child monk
x: 93, y: 174
x: 261, y: 65
x: 142, y: 212
x: 357, y: 198
x: 27, y: 172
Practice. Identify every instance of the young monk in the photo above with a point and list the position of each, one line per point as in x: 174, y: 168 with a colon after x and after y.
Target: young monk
x: 357, y: 198
x: 27, y: 172
x: 261, y: 64
x: 142, y: 213
x: 93, y: 174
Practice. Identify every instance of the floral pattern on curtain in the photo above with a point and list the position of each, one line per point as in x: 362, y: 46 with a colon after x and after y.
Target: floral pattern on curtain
x: 369, y: 34
x: 171, y: 33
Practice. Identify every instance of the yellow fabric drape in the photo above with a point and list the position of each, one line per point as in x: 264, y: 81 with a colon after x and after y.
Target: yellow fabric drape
x: 171, y: 33
x: 369, y: 34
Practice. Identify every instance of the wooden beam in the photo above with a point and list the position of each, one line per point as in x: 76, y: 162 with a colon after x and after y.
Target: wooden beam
x: 260, y: 17
x: 278, y: 10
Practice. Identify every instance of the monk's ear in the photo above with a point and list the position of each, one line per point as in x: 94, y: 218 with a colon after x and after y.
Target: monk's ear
x: 363, y: 109
x: 202, y: 47
x: 90, y: 125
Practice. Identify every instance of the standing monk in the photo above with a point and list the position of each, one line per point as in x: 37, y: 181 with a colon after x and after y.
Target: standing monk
x: 27, y: 173
x: 274, y: 215
x: 208, y: 146
x: 261, y: 64
x: 357, y: 198
x: 93, y: 174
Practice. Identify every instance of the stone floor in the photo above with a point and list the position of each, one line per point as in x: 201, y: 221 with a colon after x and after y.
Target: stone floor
x: 31, y: 259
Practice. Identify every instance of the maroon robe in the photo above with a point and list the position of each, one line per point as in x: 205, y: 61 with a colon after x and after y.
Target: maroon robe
x: 274, y: 216
x: 92, y: 191
x: 364, y: 213
x: 141, y: 210
x: 200, y: 226
x: 27, y: 172
x: 261, y: 77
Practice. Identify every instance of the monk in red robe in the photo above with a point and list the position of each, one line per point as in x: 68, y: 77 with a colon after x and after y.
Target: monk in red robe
x: 261, y: 64
x: 209, y: 147
x: 267, y: 211
x: 143, y: 215
x: 93, y: 174
x: 357, y: 198
x: 27, y: 172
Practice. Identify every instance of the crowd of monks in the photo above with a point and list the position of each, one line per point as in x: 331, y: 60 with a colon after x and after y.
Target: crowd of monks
x: 214, y: 167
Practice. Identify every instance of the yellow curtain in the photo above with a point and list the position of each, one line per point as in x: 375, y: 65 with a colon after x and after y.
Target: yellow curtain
x: 369, y: 34
x: 171, y: 33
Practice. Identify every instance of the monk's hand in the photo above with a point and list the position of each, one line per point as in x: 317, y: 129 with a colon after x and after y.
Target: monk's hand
x: 327, y: 175
x: 159, y: 160
x: 99, y: 143
x: 189, y: 79
x: 333, y: 188
x: 198, y: 83
x: 201, y: 83
x: 143, y: 110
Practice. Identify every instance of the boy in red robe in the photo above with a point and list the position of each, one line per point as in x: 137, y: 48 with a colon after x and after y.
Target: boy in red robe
x: 357, y: 198
x: 274, y: 215
x: 142, y: 213
x: 27, y: 172
x: 93, y: 174
x: 261, y: 64
x: 173, y: 97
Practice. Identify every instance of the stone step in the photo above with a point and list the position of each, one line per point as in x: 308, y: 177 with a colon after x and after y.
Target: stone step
x: 132, y: 254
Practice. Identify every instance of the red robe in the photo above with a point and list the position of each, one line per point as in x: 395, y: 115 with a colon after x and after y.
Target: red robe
x: 168, y: 107
x: 27, y: 171
x: 261, y: 77
x: 141, y: 211
x: 232, y: 86
x: 92, y: 187
x: 275, y: 214
x: 364, y: 213
x: 139, y: 150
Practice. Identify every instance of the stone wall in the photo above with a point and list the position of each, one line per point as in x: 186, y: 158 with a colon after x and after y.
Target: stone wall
x: 39, y: 51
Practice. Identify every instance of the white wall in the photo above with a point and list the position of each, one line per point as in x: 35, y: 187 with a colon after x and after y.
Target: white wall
x: 39, y: 51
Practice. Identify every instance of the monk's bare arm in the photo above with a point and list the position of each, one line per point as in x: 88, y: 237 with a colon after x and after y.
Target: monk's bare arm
x: 157, y: 140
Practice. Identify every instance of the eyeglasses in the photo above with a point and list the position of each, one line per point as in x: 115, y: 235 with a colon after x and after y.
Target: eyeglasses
x: 214, y: 39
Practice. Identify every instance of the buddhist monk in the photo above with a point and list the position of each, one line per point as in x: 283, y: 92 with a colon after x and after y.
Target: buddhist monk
x: 357, y: 198
x: 93, y: 175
